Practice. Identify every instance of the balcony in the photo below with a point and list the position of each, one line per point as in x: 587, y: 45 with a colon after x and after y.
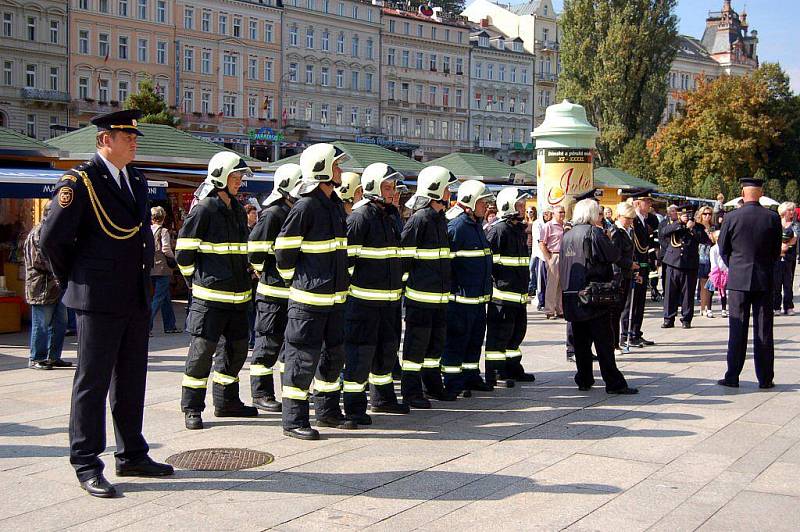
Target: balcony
x: 296, y: 123
x: 547, y: 46
x: 485, y: 143
x: 44, y: 95
x: 547, y: 77
x: 90, y: 105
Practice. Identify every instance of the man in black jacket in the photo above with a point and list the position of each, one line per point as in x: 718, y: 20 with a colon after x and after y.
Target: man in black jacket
x: 750, y: 244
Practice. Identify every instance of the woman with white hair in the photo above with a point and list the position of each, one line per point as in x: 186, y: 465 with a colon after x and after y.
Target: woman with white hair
x: 624, y: 267
x: 784, y: 268
x: 585, y: 269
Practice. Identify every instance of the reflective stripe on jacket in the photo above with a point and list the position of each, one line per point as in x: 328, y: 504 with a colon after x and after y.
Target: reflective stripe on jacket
x: 261, y: 252
x: 426, y: 258
x: 511, y: 272
x: 471, y: 264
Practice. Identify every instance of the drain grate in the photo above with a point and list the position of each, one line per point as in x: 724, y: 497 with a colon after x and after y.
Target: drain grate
x: 221, y: 459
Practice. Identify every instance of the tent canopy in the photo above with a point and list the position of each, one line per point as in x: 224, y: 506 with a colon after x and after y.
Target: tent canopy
x: 17, y: 144
x: 40, y: 182
x: 482, y: 167
x: 616, y: 178
x: 363, y: 155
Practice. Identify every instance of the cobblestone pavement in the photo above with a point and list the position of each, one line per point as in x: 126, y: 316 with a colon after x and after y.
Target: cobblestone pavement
x: 683, y: 454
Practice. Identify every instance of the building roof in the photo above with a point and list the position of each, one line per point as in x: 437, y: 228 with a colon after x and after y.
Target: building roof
x: 159, y: 144
x: 457, y: 21
x: 691, y: 48
x: 495, y: 35
x: 530, y: 8
x: 616, y: 178
x: 363, y: 155
x: 528, y: 167
x: 479, y: 166
x: 17, y: 144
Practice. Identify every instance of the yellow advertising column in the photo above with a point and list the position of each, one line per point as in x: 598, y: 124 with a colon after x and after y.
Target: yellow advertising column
x: 565, y: 145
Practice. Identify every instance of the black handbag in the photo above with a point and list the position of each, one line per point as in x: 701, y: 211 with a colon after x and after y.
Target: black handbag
x: 599, y: 294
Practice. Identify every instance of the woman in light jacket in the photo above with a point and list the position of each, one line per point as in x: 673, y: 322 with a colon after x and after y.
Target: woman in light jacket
x: 161, y: 272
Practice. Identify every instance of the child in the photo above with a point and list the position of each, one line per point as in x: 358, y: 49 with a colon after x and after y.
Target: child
x: 719, y: 273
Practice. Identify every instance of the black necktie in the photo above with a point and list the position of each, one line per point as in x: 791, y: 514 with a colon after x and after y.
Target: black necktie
x: 124, y: 184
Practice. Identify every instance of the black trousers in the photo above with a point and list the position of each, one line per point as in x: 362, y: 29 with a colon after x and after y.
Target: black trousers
x: 423, y: 344
x: 207, y: 325
x: 370, y: 344
x: 270, y: 324
x: 632, y: 322
x: 784, y: 278
x: 617, y: 309
x: 506, y: 325
x: 112, y: 362
x: 466, y: 327
x: 596, y: 331
x: 681, y: 286
x: 739, y: 307
x: 313, y: 349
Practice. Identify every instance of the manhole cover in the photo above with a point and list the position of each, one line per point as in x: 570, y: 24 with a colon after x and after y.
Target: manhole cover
x: 220, y: 459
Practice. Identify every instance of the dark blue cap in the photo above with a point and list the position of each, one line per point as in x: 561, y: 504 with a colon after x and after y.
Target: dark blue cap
x: 119, y: 121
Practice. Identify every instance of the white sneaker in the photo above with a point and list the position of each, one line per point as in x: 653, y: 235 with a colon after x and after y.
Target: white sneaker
x: 790, y: 312
x: 618, y: 352
x: 709, y: 314
x: 724, y: 313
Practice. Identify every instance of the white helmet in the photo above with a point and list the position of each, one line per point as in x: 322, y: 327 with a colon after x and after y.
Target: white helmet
x: 222, y: 165
x: 374, y: 175
x: 431, y: 184
x: 287, y: 176
x: 316, y: 162
x: 469, y: 193
x: 351, y: 182
x: 507, y: 200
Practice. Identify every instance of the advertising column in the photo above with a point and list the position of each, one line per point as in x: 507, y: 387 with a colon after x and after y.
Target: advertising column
x: 565, y: 145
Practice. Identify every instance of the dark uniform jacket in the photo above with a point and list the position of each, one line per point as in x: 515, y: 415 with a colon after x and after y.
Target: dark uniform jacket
x: 662, y: 242
x: 426, y: 258
x: 471, y: 264
x: 510, y: 271
x: 623, y: 267
x: 98, y: 240
x: 643, y: 242
x: 682, y: 244
x: 212, y: 253
x: 261, y: 253
x: 311, y: 252
x: 750, y: 244
x: 587, y: 255
x: 373, y: 246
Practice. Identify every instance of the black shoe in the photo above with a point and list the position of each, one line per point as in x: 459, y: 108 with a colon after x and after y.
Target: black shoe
x: 39, y: 364
x: 146, y: 467
x: 192, y: 420
x: 480, y: 386
x: 444, y: 395
x: 58, y: 363
x: 585, y: 387
x: 239, y: 410
x: 636, y: 342
x: 172, y: 331
x: 623, y: 391
x: 268, y: 404
x: 466, y: 394
x: 359, y: 419
x: 723, y: 382
x: 337, y: 423
x: 570, y: 357
x: 686, y: 325
x: 70, y: 332
x: 417, y: 402
x: 99, y: 487
x: 302, y: 433
x: 766, y: 385
x: 668, y: 324
x: 391, y: 408
x: 645, y: 341
x: 524, y: 377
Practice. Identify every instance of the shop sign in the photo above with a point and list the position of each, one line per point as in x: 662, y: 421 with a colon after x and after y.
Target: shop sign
x: 561, y: 175
x: 519, y: 146
x: 266, y: 133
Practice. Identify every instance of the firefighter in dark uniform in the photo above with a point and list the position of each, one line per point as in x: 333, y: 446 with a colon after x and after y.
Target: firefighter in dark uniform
x: 272, y: 295
x: 311, y: 255
x: 683, y: 238
x: 350, y: 191
x: 470, y: 290
x: 426, y: 262
x: 211, y: 252
x: 371, y: 336
x: 98, y: 240
x: 750, y: 244
x: 507, y: 317
x: 644, y: 247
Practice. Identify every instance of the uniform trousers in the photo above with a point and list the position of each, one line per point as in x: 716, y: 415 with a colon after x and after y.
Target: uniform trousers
x: 784, y: 278
x: 596, y: 331
x: 506, y: 325
x: 112, y: 362
x: 206, y: 325
x: 617, y: 309
x: 313, y: 349
x: 371, y: 343
x: 632, y: 322
x: 680, y: 289
x: 270, y: 324
x: 423, y: 344
x: 739, y: 307
x: 466, y: 327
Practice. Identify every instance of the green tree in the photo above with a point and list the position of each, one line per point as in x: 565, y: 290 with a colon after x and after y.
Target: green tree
x: 615, y: 57
x: 782, y: 157
x: 635, y: 159
x: 792, y: 191
x: 152, y: 105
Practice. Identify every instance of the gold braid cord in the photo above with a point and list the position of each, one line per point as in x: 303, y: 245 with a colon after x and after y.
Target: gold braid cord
x: 641, y: 249
x: 102, y: 217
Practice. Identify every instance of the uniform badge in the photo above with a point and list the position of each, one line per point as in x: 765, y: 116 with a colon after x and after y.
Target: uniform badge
x: 65, y: 197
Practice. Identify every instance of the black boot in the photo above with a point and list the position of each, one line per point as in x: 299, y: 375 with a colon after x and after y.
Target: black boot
x: 268, y: 404
x: 193, y: 420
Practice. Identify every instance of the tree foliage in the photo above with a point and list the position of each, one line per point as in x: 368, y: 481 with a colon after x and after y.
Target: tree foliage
x: 635, y: 159
x: 152, y: 105
x: 615, y: 57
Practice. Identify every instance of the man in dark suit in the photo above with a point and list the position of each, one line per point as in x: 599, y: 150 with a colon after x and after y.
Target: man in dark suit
x: 750, y: 244
x: 681, y: 239
x: 644, y: 225
x: 100, y: 245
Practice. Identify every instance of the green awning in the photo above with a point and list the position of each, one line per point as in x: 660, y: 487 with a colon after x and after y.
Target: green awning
x: 482, y: 167
x: 616, y: 178
x: 13, y: 143
x: 363, y: 155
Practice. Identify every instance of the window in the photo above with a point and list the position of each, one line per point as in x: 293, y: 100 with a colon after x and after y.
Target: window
x: 405, y: 60
x: 122, y: 90
x: 268, y: 31
x: 525, y: 76
x: 188, y: 101
x: 161, y: 52
x: 83, y: 88
x: 354, y: 46
x: 326, y: 6
x: 340, y: 43
x: 391, y: 26
x: 326, y: 41
x: 369, y: 15
x: 432, y: 95
x: 418, y: 127
x: 459, y: 65
x: 253, y: 29
x: 445, y: 129
x: 161, y: 11
x: 340, y: 79
x: 445, y: 96
x: 513, y: 74
x: 309, y: 113
x: 490, y: 71
x: 459, y: 98
x: 310, y: 38
x: 142, y: 10
x: 8, y: 25
x: 229, y: 105
x: 230, y: 64
x: 406, y: 28
x: 188, y: 58
x: 483, y: 41
x: 404, y: 126
x: 30, y: 76
x: 31, y: 126
x: 368, y: 81
x: 368, y: 116
x: 310, y: 4
x: 142, y: 51
x: 8, y: 76
x: 354, y: 116
x: 293, y: 36
x: 293, y: 108
x: 545, y: 34
x: 512, y: 104
x: 433, y: 62
x: 517, y: 46
x: 251, y: 107
x: 446, y: 64
x: 293, y: 72
x: 478, y: 70
x: 122, y: 51
x: 223, y: 24
x: 419, y: 94
x: 339, y: 115
x: 205, y: 102
x: 324, y: 76
x: 237, y: 26
x: 188, y: 18
x: 433, y: 34
x: 102, y: 90
x: 54, y: 32
x: 309, y: 74
x: 205, y: 62
x: 458, y: 126
x: 419, y: 30
x: 103, y: 45
x: 431, y: 128
x: 501, y: 73
x: 354, y: 80
x: 420, y: 60
x: 355, y: 12
x: 390, y: 56
x: 83, y: 4
x: 122, y: 8
x: 369, y: 49
x: 522, y: 105
x: 205, y: 21
x: 477, y: 100
x: 447, y: 35
x: 268, y: 70
x: 31, y: 28
x: 390, y: 123
x: 390, y: 89
x: 501, y: 103
x: 323, y: 113
x: 489, y: 102
x: 252, y: 68
x: 268, y: 106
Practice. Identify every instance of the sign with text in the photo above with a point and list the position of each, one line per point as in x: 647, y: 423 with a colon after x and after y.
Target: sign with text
x: 562, y: 174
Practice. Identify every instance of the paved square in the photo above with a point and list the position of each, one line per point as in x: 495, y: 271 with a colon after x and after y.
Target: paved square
x: 684, y: 454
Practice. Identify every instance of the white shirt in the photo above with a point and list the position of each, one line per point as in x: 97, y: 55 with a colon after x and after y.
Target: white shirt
x: 114, y: 171
x: 716, y: 259
x: 536, y: 236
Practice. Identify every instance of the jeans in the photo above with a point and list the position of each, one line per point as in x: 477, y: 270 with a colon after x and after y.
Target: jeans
x: 542, y: 282
x: 534, y: 270
x: 72, y: 324
x: 48, y: 324
x: 162, y: 301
